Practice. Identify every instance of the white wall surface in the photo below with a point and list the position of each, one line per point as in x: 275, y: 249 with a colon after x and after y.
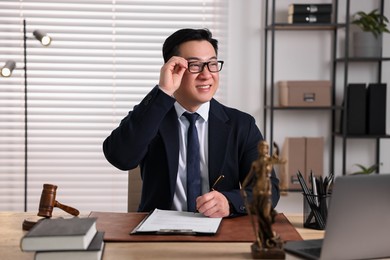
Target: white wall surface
x: 299, y: 55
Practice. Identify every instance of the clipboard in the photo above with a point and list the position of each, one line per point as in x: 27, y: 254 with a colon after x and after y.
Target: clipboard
x: 169, y: 222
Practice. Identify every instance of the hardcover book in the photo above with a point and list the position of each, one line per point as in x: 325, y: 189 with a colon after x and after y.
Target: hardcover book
x: 60, y: 234
x: 309, y: 8
x: 93, y: 252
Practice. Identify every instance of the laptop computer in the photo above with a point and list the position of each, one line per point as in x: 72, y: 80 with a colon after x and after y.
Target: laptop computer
x: 358, y: 223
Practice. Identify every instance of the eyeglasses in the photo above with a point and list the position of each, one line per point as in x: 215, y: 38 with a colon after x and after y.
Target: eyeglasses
x: 197, y: 67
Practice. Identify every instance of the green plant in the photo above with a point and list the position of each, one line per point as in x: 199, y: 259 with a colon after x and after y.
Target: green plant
x: 365, y: 170
x: 371, y: 22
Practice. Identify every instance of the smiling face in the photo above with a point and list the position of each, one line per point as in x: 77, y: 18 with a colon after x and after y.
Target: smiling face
x: 197, y: 88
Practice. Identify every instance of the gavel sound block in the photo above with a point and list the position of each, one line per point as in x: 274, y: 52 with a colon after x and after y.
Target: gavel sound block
x: 46, y: 205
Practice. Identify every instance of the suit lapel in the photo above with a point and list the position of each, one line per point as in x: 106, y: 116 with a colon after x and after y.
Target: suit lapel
x: 169, y: 130
x: 219, y: 132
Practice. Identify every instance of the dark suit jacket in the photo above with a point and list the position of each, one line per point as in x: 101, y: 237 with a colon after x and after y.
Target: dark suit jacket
x: 149, y: 137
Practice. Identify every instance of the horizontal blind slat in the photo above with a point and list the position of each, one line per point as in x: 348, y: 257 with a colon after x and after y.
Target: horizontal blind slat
x: 104, y: 58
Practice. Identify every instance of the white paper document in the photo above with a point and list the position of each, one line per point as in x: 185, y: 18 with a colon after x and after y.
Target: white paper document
x: 177, y: 222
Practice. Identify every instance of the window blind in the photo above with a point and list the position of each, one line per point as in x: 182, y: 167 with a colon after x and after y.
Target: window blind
x: 105, y: 56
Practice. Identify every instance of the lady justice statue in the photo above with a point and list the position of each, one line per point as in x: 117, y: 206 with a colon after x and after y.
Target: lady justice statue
x: 268, y: 245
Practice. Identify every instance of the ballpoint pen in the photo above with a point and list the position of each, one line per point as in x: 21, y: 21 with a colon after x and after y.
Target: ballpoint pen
x: 217, y: 181
x: 314, y: 188
x: 215, y: 184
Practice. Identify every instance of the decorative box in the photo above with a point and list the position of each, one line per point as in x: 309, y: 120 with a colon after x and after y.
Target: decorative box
x: 307, y: 93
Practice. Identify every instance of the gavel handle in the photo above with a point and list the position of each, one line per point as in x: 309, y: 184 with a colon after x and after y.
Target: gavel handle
x: 66, y: 208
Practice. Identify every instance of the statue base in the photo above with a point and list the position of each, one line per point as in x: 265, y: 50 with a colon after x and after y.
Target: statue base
x: 267, y: 253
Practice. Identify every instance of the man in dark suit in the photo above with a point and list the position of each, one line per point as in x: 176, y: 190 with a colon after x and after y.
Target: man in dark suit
x: 154, y: 134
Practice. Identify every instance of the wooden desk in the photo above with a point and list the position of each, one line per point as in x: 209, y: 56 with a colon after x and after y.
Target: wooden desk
x: 11, y: 233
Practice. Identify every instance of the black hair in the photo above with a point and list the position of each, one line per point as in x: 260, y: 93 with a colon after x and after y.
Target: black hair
x: 172, y: 43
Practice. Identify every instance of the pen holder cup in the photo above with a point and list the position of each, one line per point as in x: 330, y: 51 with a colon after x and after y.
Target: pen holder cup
x: 315, y: 211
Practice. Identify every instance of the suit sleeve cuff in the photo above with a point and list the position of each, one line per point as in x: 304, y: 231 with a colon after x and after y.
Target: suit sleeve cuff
x: 172, y: 96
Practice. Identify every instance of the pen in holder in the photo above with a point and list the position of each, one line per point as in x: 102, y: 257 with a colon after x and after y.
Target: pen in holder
x: 315, y: 202
x: 315, y: 210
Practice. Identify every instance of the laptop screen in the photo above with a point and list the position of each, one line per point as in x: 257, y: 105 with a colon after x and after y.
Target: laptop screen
x: 358, y: 224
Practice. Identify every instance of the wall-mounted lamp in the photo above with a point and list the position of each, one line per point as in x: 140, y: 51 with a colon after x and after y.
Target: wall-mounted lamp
x: 42, y: 37
x: 6, y: 71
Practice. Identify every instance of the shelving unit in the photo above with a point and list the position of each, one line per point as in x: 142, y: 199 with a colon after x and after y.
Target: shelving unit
x: 336, y: 28
x: 346, y: 60
x: 273, y: 27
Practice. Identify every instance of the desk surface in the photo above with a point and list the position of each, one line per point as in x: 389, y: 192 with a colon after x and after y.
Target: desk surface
x: 11, y: 233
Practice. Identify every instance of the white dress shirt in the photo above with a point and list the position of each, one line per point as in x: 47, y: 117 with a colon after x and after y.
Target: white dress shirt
x: 180, y: 197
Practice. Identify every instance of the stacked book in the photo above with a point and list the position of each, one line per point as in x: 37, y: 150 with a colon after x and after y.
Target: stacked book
x: 310, y: 13
x: 72, y: 238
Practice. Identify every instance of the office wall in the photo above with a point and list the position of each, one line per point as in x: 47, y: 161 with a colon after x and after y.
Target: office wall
x: 295, y: 50
x: 104, y: 58
x: 245, y: 74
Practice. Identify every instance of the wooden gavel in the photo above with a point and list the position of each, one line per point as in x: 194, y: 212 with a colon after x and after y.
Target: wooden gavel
x: 48, y: 202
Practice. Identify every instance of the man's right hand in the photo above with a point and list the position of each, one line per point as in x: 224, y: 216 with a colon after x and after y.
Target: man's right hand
x: 171, y: 74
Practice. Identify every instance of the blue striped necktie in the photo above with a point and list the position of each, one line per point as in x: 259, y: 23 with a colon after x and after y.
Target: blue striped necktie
x: 193, y: 163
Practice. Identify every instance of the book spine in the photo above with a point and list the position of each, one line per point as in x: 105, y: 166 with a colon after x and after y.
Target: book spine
x: 309, y: 18
x: 309, y: 8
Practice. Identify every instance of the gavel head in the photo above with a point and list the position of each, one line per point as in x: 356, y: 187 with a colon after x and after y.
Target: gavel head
x: 48, y: 200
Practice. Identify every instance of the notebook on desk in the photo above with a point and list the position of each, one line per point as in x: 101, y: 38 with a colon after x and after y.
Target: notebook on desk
x: 358, y: 224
